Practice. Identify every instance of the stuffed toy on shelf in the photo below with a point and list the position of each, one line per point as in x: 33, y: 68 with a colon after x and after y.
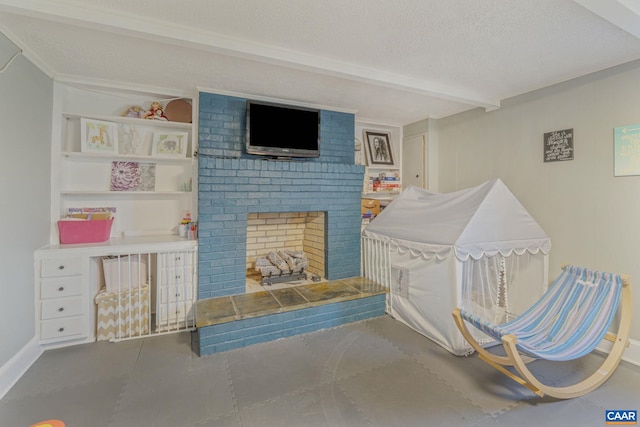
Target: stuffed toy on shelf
x: 155, y: 112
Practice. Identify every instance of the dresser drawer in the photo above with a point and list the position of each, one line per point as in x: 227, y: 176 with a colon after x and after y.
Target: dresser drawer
x: 176, y: 293
x: 175, y: 259
x: 60, y: 328
x: 58, y: 287
x: 61, y: 307
x: 174, y: 312
x: 56, y: 267
x: 175, y: 276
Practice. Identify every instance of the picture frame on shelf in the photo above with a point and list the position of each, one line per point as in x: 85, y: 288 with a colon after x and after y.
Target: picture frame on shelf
x: 133, y: 176
x: 170, y: 144
x: 98, y: 136
x: 378, y: 148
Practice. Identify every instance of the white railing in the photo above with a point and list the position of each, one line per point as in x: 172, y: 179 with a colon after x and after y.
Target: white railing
x: 147, y: 294
x: 376, y: 261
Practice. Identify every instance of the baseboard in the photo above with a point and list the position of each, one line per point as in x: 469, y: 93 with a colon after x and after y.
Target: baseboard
x: 11, y: 371
x: 631, y: 354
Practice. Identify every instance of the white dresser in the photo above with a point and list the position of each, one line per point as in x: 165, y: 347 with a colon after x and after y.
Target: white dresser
x: 176, y: 295
x: 68, y: 278
x: 62, y: 299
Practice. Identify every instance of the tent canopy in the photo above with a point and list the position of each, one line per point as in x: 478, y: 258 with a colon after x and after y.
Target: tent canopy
x: 475, y: 222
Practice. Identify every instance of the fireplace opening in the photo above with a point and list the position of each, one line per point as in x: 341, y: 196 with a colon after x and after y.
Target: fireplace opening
x: 296, y: 238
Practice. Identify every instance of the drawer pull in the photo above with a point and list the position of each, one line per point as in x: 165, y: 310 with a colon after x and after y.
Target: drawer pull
x: 61, y: 330
x: 61, y: 309
x: 61, y: 267
x: 61, y: 288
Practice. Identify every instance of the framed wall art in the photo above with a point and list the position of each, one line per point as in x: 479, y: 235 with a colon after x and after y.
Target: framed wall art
x: 378, y: 148
x: 133, y: 176
x: 626, y: 150
x: 558, y: 145
x: 170, y: 144
x: 97, y: 136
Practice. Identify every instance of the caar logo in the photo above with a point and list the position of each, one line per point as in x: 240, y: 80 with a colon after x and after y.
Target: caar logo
x: 621, y: 417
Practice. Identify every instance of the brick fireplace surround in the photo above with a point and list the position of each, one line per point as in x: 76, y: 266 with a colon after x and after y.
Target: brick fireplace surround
x: 233, y: 184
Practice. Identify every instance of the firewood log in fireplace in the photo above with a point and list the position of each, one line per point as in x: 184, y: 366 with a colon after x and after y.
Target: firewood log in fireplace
x: 282, y: 263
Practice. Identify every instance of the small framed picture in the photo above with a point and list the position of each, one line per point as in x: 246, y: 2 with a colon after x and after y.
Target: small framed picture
x: 170, y: 144
x: 97, y: 136
x: 378, y: 148
x: 626, y: 150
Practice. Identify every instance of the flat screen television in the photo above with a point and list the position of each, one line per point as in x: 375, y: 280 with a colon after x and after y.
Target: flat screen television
x: 282, y: 131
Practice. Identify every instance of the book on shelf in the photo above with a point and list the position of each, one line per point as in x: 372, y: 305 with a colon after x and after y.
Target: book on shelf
x: 386, y: 187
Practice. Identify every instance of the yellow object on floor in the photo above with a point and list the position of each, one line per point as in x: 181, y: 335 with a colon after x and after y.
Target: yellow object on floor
x: 49, y: 423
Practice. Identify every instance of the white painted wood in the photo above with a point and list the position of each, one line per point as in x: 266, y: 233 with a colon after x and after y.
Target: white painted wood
x: 81, y: 179
x: 57, y: 267
x: 67, y: 317
x: 61, y: 307
x: 59, y: 287
x: 176, y: 288
x: 62, y: 328
x: 396, y: 134
x: 14, y: 368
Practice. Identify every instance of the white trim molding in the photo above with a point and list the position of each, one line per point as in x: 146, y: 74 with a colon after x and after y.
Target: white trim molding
x: 76, y: 13
x: 274, y: 100
x: 624, y: 14
x: 631, y: 354
x: 15, y: 368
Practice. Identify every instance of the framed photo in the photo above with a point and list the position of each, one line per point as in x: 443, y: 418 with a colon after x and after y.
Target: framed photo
x: 378, y: 148
x: 97, y: 136
x: 170, y: 144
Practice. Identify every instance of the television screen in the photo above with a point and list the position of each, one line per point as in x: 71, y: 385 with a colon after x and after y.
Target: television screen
x: 282, y: 131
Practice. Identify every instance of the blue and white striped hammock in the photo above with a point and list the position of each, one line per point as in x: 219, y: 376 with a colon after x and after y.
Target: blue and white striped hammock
x: 568, y: 321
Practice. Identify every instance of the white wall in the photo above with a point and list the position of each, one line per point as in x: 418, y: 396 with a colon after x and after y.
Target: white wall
x: 592, y: 217
x: 25, y: 120
x: 428, y: 128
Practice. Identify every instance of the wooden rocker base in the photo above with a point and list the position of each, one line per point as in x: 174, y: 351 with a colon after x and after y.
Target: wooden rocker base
x: 527, y: 378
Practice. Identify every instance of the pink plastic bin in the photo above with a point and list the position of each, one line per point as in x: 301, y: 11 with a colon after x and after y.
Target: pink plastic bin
x: 91, y: 231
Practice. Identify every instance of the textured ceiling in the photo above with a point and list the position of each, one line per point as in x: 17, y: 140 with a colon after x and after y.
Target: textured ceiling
x: 393, y: 61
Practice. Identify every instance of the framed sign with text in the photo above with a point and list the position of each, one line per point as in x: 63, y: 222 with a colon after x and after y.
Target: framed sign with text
x: 626, y: 150
x: 558, y: 145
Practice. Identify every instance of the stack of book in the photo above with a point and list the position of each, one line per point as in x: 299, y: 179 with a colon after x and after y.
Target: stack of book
x: 386, y: 182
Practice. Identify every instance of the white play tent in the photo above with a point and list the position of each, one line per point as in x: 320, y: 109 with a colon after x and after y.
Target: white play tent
x: 478, y: 249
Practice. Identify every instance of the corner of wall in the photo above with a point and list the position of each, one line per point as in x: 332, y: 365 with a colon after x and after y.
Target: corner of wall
x: 15, y: 367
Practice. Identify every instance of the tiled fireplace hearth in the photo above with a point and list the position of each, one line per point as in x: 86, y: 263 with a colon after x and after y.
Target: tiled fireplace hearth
x: 233, y: 186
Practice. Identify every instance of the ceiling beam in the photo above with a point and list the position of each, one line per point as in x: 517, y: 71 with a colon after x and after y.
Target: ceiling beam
x: 624, y: 14
x: 76, y: 13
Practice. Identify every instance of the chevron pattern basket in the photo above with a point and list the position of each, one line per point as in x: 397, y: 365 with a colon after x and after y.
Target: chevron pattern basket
x: 124, y: 315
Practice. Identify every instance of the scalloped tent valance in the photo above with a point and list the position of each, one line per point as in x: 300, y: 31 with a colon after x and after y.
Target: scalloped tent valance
x: 476, y: 222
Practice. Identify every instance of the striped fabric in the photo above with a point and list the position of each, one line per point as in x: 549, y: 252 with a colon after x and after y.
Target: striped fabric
x: 122, y: 315
x: 568, y: 321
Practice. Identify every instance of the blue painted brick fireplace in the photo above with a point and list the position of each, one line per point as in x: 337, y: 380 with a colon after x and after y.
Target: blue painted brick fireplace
x: 233, y: 184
